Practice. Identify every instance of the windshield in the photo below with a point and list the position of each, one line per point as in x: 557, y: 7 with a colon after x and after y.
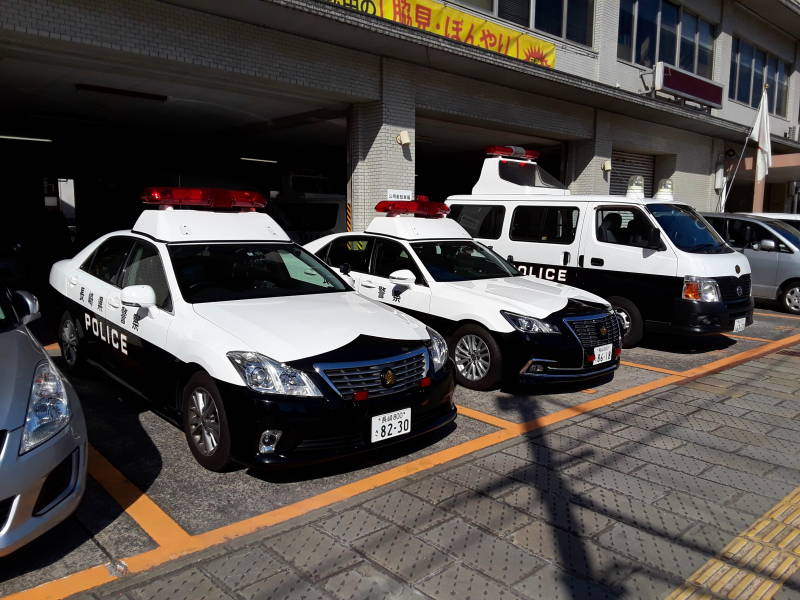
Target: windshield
x: 790, y: 233
x: 687, y: 229
x: 220, y: 272
x: 462, y: 261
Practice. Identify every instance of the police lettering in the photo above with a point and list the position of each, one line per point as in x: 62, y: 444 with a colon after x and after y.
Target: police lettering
x: 548, y: 273
x: 106, y: 333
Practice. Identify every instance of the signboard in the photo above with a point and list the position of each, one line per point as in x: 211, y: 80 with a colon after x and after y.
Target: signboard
x: 399, y: 195
x: 671, y: 80
x: 459, y: 25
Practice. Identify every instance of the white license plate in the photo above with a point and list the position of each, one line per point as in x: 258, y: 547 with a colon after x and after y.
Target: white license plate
x: 739, y: 324
x: 390, y: 425
x: 602, y: 354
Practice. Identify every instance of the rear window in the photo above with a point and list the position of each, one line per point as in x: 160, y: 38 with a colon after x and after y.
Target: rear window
x: 480, y: 221
x: 544, y: 224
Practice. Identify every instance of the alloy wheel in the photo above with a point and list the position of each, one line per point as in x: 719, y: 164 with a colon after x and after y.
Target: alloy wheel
x: 472, y: 357
x: 624, y: 320
x: 204, y: 426
x: 69, y: 342
x: 792, y: 299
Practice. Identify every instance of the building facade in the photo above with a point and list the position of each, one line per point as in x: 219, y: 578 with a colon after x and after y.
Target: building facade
x: 573, y: 78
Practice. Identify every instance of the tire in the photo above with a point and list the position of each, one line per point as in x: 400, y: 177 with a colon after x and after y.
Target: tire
x: 70, y: 335
x: 481, y: 362
x: 630, y: 320
x: 208, y: 436
x: 790, y: 297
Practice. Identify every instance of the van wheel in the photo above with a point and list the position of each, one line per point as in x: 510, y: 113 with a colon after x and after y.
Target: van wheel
x: 477, y: 356
x: 790, y: 297
x: 630, y: 320
x: 69, y: 342
x: 205, y: 423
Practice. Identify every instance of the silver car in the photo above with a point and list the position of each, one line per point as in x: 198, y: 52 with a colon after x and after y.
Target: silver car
x: 773, y: 249
x: 43, y: 447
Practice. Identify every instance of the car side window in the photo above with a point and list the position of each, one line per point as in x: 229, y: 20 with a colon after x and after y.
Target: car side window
x: 145, y: 268
x: 759, y: 233
x: 392, y: 256
x: 718, y: 223
x: 544, y: 224
x: 480, y: 221
x: 352, y: 250
x: 106, y: 262
x: 627, y: 226
x: 738, y: 233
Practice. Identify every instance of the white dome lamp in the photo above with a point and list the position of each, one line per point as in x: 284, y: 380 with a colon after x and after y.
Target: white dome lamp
x: 635, y: 187
x: 664, y: 190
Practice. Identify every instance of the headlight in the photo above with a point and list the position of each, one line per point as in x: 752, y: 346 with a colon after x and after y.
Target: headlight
x: 701, y: 288
x: 529, y: 324
x: 267, y: 376
x: 48, y: 408
x: 438, y: 349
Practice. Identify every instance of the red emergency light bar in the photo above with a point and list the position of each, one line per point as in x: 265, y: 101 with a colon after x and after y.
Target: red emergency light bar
x: 421, y: 207
x: 203, y: 197
x: 512, y: 152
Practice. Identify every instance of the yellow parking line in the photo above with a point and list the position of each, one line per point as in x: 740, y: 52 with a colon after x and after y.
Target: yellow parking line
x: 180, y: 544
x: 482, y: 416
x: 649, y: 368
x: 748, y: 338
x: 772, y: 316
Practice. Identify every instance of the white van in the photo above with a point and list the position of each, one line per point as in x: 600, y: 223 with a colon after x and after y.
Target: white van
x: 657, y: 261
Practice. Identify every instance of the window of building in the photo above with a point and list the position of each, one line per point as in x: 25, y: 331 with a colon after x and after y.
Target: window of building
x: 659, y: 30
x: 751, y: 69
x: 569, y: 19
x: 544, y: 224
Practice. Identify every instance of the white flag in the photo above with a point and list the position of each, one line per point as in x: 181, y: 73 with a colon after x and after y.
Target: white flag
x: 760, y: 135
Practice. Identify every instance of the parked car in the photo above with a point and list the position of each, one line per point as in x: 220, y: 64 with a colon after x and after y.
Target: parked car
x: 43, y: 446
x: 792, y: 219
x: 655, y: 260
x: 501, y: 324
x: 266, y: 356
x: 773, y: 249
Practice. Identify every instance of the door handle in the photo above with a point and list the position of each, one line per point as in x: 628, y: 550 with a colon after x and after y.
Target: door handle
x: 580, y: 260
x: 73, y: 280
x: 113, y: 302
x: 566, y: 258
x: 368, y: 284
x: 597, y: 262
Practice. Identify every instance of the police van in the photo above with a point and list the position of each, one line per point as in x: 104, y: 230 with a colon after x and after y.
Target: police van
x: 500, y: 323
x: 657, y: 261
x: 264, y: 354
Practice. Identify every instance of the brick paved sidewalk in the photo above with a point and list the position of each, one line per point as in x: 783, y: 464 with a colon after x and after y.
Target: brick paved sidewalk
x: 626, y: 502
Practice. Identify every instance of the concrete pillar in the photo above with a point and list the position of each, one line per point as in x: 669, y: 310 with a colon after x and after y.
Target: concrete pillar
x: 377, y: 163
x: 585, y: 159
x: 758, y: 195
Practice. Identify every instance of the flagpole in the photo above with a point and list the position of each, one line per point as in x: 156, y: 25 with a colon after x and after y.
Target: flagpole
x: 736, y: 170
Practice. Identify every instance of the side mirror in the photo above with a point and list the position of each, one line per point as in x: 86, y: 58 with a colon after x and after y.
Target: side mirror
x: 139, y: 296
x: 28, y: 306
x: 654, y: 239
x: 403, y: 277
x: 766, y: 245
x: 345, y: 269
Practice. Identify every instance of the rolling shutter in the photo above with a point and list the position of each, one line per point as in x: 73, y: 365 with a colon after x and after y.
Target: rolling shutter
x: 626, y: 164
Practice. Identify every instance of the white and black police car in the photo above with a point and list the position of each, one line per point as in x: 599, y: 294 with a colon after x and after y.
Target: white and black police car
x: 501, y: 324
x: 265, y: 355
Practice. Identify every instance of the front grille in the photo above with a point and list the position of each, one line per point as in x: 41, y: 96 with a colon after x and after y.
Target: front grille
x: 347, y: 378
x: 728, y: 288
x: 340, y: 443
x: 588, y: 329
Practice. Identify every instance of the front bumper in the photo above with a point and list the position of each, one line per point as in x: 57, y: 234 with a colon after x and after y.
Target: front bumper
x: 693, y: 317
x: 42, y: 487
x: 316, y: 430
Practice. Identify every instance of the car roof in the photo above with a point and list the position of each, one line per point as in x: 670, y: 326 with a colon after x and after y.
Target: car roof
x: 759, y: 217
x: 417, y: 228
x: 772, y: 215
x: 207, y: 226
x: 566, y: 200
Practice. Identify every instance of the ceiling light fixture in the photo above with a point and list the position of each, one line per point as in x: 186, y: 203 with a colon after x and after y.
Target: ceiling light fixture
x: 23, y: 139
x: 263, y: 160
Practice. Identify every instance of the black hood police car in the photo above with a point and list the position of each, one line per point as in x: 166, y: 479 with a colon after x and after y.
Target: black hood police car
x: 502, y: 325
x: 265, y: 355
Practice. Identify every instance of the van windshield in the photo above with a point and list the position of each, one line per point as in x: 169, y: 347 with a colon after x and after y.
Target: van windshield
x: 688, y: 230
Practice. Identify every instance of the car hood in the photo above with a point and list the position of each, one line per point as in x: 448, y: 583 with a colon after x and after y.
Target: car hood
x: 295, y: 327
x: 20, y: 355
x: 526, y: 295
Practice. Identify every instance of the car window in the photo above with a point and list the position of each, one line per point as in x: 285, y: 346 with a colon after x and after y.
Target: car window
x: 480, y: 221
x: 462, y: 260
x: 627, y: 226
x: 738, y: 233
x: 105, y: 263
x: 145, y: 268
x: 687, y: 229
x: 718, y: 223
x: 392, y: 256
x: 790, y: 233
x: 747, y: 234
x: 544, y: 224
x: 351, y: 250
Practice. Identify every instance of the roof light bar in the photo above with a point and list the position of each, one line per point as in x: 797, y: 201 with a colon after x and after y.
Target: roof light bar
x: 421, y: 207
x: 203, y: 197
x: 512, y: 152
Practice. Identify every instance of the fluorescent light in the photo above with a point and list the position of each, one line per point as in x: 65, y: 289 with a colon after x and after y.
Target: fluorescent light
x: 23, y: 139
x: 264, y: 160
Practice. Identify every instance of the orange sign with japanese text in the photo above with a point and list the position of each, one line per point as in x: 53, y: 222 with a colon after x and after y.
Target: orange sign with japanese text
x: 461, y: 26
